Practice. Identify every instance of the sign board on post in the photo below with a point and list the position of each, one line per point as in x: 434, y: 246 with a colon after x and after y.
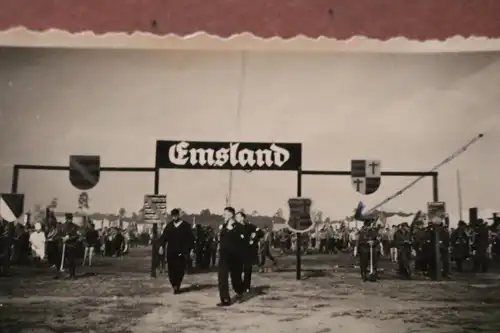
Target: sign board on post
x: 155, y: 212
x: 300, y: 215
x: 155, y: 208
x: 436, y: 211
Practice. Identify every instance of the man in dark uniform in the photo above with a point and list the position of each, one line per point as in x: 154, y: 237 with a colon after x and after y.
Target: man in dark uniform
x: 402, y: 241
x: 428, y: 248
x: 7, y: 231
x: 53, y: 236
x: 207, y: 252
x: 70, y: 239
x: 91, y: 242
x: 460, y: 245
x: 265, y: 249
x: 177, y: 239
x: 232, y: 248
x: 368, y: 249
x: 161, y: 258
x: 213, y: 244
x: 199, y: 245
x: 436, y: 232
x: 418, y: 241
x: 481, y: 244
x: 367, y: 244
x: 252, y: 236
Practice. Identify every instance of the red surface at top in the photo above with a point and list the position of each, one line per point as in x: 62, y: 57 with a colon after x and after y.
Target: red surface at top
x: 382, y: 19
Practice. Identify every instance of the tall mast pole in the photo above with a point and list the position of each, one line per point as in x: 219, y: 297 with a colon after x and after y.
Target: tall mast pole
x: 241, y: 87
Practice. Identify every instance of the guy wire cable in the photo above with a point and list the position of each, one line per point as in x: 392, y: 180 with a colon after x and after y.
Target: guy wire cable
x: 412, y: 183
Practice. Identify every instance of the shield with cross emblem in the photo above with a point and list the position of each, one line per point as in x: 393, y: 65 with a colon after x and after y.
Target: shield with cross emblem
x: 366, y: 176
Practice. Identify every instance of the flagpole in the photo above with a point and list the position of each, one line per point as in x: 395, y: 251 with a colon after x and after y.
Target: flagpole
x: 459, y: 192
x: 239, y: 104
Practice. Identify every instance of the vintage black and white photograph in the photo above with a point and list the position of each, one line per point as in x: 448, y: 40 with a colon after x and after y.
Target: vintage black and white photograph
x: 222, y: 191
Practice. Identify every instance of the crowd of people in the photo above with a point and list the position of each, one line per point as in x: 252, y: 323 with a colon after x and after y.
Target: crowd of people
x: 237, y: 246
x: 403, y: 243
x: 58, y: 245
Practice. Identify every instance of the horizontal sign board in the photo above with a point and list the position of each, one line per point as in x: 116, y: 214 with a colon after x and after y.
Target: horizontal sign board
x: 228, y: 155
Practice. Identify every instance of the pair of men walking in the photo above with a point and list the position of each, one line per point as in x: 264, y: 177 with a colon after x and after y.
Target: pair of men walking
x: 238, y: 252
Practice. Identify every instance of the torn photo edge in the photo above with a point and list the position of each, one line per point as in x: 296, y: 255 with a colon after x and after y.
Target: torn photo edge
x: 54, y: 38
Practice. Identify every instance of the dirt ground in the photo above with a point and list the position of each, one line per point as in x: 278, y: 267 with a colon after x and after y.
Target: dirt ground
x: 117, y: 295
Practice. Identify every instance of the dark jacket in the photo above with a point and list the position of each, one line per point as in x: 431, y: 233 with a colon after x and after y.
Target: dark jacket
x: 177, y: 240
x: 232, y: 238
x: 402, y: 238
x: 91, y: 238
x: 70, y: 230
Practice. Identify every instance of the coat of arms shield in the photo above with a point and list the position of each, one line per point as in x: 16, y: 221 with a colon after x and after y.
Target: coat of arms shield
x: 366, y: 176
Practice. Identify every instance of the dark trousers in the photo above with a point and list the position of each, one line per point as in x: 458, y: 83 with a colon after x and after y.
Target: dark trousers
x: 213, y: 257
x: 230, y: 265
x: 331, y: 245
x: 199, y: 256
x: 322, y: 245
x: 162, y: 261
x: 53, y: 253
x: 176, y: 265
x: 481, y: 262
x: 247, y: 275
x: 5, y: 254
x: 117, y: 246
x: 445, y: 263
x: 387, y: 247
x: 205, y: 256
x: 250, y: 260
x: 420, y: 260
x: 70, y: 259
x: 404, y: 255
x: 460, y: 253
x: 266, y: 253
x: 364, y: 260
x: 108, y: 248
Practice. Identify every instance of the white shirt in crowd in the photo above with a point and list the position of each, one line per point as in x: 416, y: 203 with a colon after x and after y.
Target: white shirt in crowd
x: 37, y: 240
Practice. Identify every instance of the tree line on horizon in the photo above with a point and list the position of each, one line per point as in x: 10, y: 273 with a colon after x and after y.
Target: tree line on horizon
x: 205, y: 216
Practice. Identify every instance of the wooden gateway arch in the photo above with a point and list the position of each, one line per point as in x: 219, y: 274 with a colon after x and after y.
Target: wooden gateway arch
x: 217, y: 155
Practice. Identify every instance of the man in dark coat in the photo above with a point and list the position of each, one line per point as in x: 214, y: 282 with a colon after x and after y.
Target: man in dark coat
x: 418, y: 242
x: 232, y: 249
x: 368, y: 249
x: 71, y: 242
x: 7, y: 233
x: 91, y: 243
x: 460, y: 245
x: 368, y: 245
x: 177, y: 239
x: 481, y: 244
x: 436, y: 232
x: 252, y: 236
x: 402, y: 241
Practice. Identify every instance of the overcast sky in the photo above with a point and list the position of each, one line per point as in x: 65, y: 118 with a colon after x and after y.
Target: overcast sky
x: 409, y: 111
